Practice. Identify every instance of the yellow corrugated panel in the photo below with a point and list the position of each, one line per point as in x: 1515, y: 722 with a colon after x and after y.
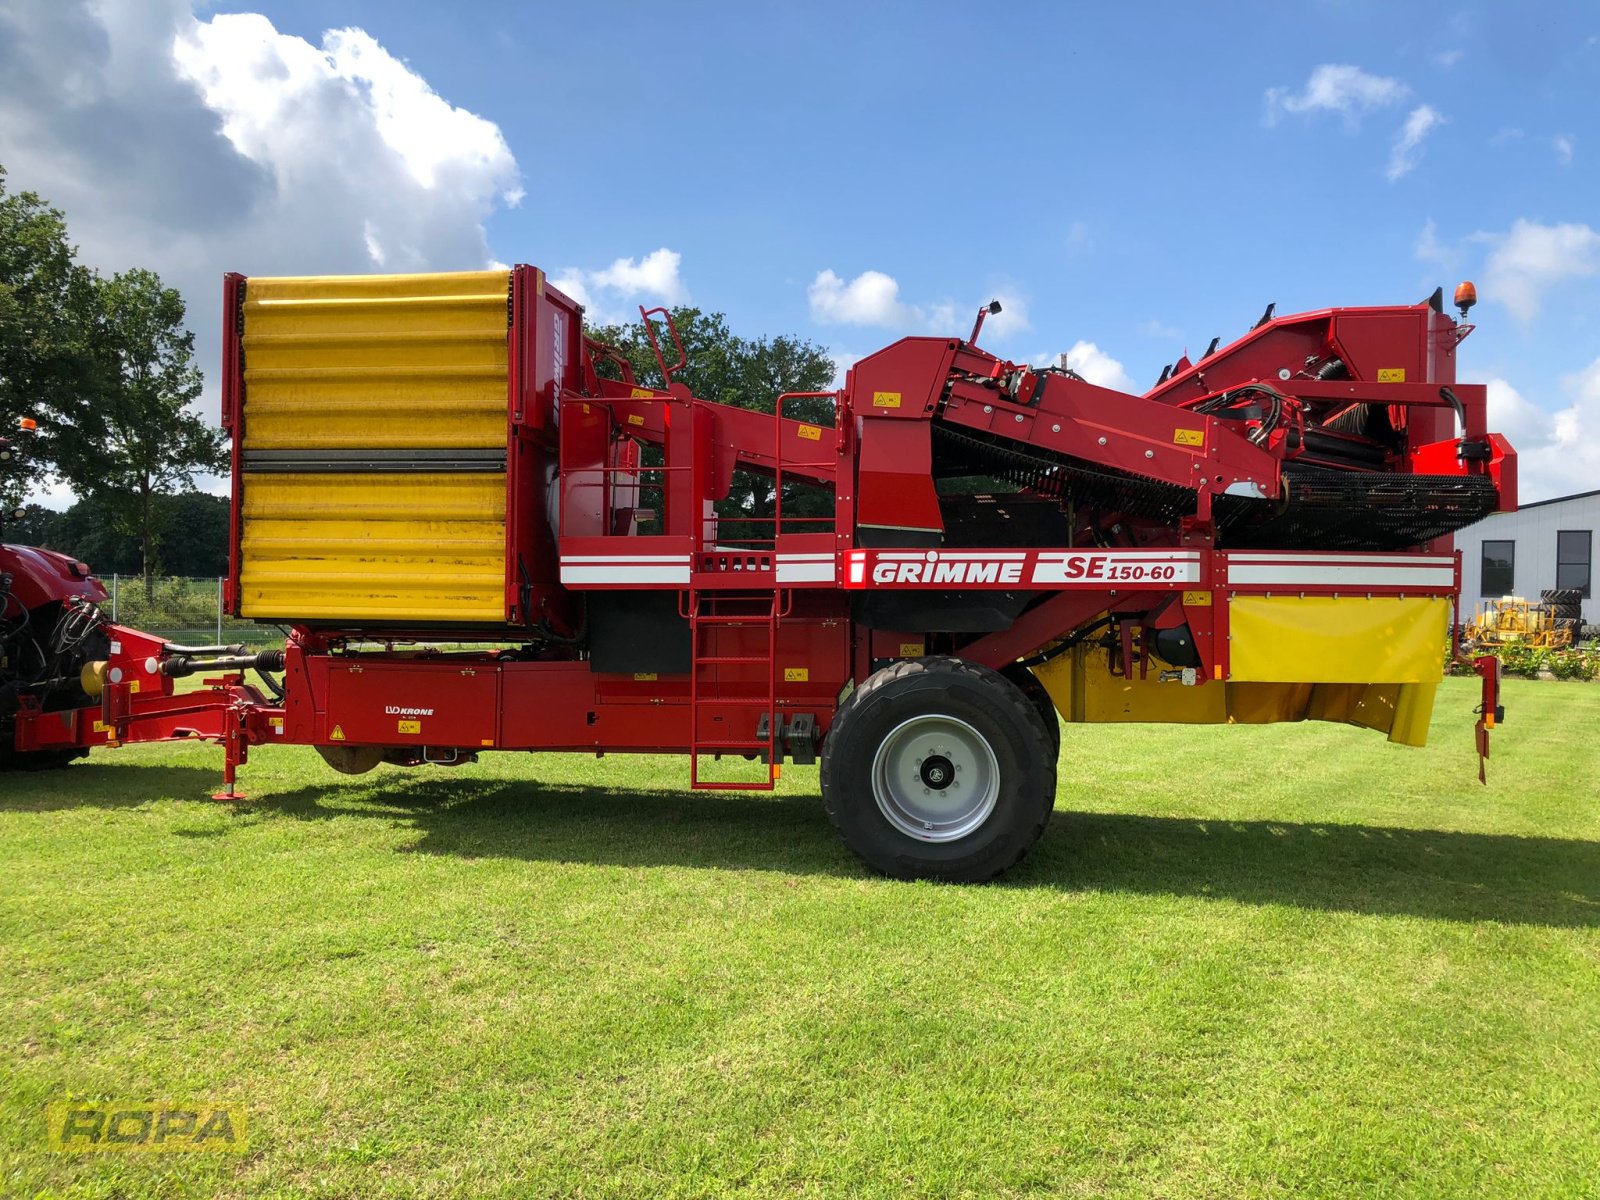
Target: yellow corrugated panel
x: 374, y: 547
x: 376, y: 362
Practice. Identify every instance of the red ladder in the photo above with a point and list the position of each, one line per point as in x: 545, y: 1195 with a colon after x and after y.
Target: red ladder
x: 723, y: 609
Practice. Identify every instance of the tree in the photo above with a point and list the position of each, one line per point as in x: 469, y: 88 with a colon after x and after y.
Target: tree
x: 35, y: 525
x: 194, y: 540
x: 133, y: 439
x: 47, y: 306
x: 193, y: 528
x: 747, y: 373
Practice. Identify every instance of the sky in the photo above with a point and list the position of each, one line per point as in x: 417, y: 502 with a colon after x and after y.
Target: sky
x: 1129, y: 180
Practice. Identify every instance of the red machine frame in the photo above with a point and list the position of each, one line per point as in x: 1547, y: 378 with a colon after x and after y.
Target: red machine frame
x: 772, y: 634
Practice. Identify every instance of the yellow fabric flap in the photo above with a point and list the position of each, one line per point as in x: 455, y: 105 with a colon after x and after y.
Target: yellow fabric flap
x: 1351, y: 639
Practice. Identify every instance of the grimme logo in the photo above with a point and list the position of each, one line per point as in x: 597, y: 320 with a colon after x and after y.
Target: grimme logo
x: 937, y: 570
x: 144, y: 1126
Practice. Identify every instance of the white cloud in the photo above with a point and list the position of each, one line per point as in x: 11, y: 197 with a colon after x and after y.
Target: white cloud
x: 1011, y: 319
x: 1525, y: 424
x: 1557, y: 453
x: 56, y: 496
x: 1532, y: 258
x: 1407, y: 148
x: 274, y: 93
x: 1506, y: 136
x: 1430, y: 250
x: 873, y: 299
x: 843, y: 360
x: 195, y: 147
x: 657, y: 276
x: 1157, y: 328
x: 1339, y: 88
x: 1080, y: 238
x: 1564, y: 144
x: 1447, y: 58
x: 1098, y: 367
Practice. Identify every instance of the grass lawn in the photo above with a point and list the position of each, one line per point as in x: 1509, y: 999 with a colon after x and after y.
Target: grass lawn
x: 1291, y: 961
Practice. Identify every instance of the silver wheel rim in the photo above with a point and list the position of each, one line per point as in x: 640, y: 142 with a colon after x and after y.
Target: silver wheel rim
x: 935, y: 778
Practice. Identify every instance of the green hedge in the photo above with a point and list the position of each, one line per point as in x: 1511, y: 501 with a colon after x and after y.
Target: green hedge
x: 1528, y: 662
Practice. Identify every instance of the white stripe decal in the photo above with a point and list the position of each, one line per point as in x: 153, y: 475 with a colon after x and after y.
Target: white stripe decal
x: 624, y: 559
x: 624, y: 574
x: 1125, y: 572
x: 1374, y: 560
x: 1307, y: 575
x: 805, y: 572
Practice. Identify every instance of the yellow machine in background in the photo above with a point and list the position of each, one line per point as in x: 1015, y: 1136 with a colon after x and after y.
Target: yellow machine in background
x: 1511, y: 620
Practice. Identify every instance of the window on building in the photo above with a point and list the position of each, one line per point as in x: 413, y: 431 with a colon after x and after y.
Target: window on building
x: 1573, y: 549
x: 1499, y: 568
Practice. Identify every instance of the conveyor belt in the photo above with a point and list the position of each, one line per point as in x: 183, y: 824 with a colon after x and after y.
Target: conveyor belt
x: 1352, y: 510
x: 1321, y: 509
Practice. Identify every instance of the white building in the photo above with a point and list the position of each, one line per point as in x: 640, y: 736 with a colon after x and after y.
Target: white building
x: 1543, y: 545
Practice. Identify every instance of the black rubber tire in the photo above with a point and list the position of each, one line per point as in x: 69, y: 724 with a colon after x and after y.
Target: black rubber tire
x: 1028, y: 684
x: 990, y: 705
x: 351, y: 760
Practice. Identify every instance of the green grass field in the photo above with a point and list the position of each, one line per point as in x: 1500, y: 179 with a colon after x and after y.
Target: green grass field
x: 1287, y: 961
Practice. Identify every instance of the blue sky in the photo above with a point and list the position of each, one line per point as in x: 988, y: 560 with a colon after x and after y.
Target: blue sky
x: 1131, y: 179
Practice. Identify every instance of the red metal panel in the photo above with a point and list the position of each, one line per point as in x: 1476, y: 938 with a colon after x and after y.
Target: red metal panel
x: 585, y: 482
x: 233, y: 286
x: 545, y: 358
x: 903, y: 380
x: 445, y: 703
x: 894, y: 478
x: 1384, y: 345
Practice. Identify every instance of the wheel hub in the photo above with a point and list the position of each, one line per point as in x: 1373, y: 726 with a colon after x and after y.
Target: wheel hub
x: 935, y: 778
x: 938, y: 772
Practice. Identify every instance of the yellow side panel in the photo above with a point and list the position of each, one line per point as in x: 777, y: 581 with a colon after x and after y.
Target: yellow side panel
x: 383, y: 547
x: 1320, y: 639
x: 376, y: 362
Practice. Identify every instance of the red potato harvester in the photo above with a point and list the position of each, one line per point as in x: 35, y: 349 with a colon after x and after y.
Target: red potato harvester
x: 484, y: 533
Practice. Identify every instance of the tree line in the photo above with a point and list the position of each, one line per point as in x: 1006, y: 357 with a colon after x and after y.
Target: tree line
x: 194, y: 535
x: 104, y: 365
